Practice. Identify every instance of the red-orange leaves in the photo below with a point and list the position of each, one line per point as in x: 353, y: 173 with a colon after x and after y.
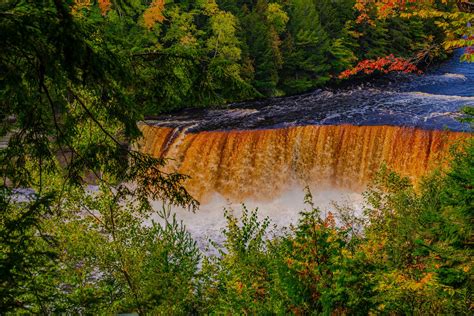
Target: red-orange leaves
x: 154, y: 13
x: 81, y: 6
x: 381, y: 65
x: 104, y: 6
x: 468, y: 55
x: 384, y: 8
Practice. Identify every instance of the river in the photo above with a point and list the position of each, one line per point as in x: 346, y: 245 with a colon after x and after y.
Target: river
x: 263, y: 153
x: 429, y: 101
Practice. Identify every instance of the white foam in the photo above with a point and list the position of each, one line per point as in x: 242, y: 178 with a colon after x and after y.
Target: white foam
x: 237, y: 112
x: 455, y: 76
x: 208, y: 222
x: 438, y: 96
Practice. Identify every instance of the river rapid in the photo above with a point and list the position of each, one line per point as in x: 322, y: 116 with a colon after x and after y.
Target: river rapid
x: 428, y: 101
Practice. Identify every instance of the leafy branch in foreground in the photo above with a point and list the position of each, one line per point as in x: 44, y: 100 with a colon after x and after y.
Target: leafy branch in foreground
x: 116, y: 258
x: 65, y: 101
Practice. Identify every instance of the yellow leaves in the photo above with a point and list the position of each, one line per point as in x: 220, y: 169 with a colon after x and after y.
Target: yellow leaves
x: 374, y: 248
x: 454, y: 23
x: 154, y: 14
x: 452, y: 44
x: 360, y: 5
x: 331, y: 238
x: 397, y: 282
x: 346, y: 253
x: 188, y: 40
x: 381, y: 9
x: 277, y: 16
x: 442, y: 24
x: 210, y: 7
x: 428, y: 13
x: 418, y: 285
x: 400, y: 278
x: 257, y: 288
x: 80, y: 5
x: 239, y: 287
x: 223, y: 41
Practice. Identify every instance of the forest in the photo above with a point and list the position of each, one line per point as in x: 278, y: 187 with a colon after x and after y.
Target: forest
x: 76, y: 229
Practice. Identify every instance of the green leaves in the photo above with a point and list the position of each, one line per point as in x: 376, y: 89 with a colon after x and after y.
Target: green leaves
x: 66, y: 100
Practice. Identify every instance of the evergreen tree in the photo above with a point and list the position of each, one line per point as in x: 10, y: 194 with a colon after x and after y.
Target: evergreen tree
x: 306, y: 49
x: 263, y: 47
x: 64, y: 92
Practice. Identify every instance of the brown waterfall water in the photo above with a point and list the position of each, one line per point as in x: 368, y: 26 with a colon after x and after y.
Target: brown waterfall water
x: 262, y: 164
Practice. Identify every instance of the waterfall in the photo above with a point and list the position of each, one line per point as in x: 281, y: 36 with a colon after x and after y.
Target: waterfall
x: 261, y: 164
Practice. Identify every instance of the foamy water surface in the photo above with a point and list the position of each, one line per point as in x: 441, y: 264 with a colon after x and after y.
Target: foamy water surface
x: 208, y: 221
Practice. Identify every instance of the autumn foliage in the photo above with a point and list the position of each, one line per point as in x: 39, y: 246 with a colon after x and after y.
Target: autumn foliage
x: 154, y: 13
x: 104, y: 6
x: 385, y: 8
x: 382, y: 65
x: 454, y: 23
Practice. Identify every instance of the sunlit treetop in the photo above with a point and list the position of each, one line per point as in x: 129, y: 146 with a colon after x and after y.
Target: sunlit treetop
x: 455, y: 18
x: 154, y: 13
x: 386, y: 8
x: 104, y: 6
x: 79, y: 5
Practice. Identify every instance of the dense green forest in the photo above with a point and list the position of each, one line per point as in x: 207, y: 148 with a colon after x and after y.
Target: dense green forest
x: 201, y: 53
x: 77, y: 76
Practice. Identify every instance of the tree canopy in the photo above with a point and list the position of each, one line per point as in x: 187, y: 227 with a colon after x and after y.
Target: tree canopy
x: 223, y: 51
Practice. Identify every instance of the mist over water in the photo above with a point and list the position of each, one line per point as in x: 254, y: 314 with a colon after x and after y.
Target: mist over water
x: 283, y: 210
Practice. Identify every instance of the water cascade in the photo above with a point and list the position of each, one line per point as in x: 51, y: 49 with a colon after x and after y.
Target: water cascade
x: 261, y: 164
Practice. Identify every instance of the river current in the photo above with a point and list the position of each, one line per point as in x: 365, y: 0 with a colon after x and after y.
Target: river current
x: 429, y: 101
